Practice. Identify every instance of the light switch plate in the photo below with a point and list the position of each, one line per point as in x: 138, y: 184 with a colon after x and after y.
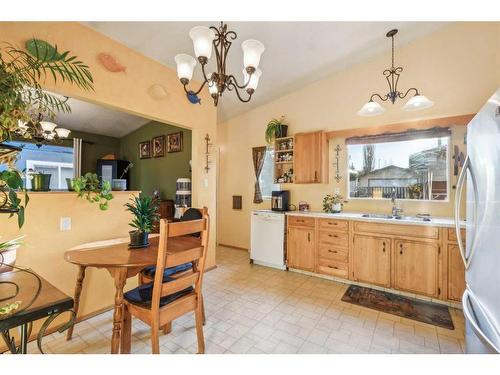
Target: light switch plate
x: 65, y: 224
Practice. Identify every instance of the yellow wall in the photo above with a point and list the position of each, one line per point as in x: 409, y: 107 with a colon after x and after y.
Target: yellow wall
x: 126, y: 92
x: 457, y: 67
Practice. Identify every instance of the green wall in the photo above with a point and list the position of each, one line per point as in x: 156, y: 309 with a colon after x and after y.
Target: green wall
x: 99, y: 146
x: 156, y: 173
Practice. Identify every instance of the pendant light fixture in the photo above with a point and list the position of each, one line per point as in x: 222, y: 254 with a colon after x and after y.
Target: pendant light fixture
x: 417, y: 102
x: 220, y: 39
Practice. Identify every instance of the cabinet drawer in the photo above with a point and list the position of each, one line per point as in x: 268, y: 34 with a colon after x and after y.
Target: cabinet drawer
x: 334, y: 238
x: 419, y: 231
x: 329, y: 267
x: 331, y: 224
x: 333, y: 253
x: 301, y: 221
x: 452, y: 237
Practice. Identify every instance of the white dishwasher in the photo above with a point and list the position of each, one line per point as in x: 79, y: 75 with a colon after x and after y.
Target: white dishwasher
x: 268, y: 239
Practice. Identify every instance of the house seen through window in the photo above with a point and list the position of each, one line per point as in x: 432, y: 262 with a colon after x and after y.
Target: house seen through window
x: 407, y: 165
x: 48, y: 159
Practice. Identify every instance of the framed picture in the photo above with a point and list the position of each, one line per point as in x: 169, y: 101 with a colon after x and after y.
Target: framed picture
x: 174, y: 142
x: 145, y: 150
x: 158, y: 144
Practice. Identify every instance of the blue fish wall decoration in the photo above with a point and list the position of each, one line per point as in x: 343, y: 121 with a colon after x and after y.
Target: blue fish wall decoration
x: 193, y: 98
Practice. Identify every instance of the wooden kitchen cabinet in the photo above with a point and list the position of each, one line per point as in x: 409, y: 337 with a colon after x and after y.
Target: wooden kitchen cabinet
x: 311, y: 158
x: 372, y: 260
x: 456, y: 274
x: 301, y: 248
x: 416, y: 267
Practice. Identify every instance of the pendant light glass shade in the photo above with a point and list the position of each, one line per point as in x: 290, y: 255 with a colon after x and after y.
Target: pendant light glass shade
x: 252, y: 50
x: 185, y: 66
x: 371, y: 109
x: 47, y: 126
x: 417, y: 102
x: 202, y: 41
x: 254, y: 79
x: 62, y: 132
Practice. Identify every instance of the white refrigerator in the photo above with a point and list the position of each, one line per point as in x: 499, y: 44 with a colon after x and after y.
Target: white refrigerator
x: 481, y: 253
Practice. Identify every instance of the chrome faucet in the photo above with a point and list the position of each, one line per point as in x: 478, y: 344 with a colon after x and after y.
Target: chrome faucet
x: 395, y: 210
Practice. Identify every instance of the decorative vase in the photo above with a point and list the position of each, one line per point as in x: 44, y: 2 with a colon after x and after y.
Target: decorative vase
x: 8, y: 258
x: 40, y: 182
x: 70, y: 184
x: 336, y: 208
x: 138, y: 239
x: 118, y: 184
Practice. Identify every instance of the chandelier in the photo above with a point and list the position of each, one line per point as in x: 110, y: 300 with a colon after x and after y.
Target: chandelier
x: 43, y: 132
x: 220, y: 39
x: 392, y: 74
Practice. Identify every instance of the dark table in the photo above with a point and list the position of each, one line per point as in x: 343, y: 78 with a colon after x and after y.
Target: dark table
x: 47, y: 302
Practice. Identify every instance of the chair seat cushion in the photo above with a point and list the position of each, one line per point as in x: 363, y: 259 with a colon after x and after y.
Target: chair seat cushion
x: 151, y: 271
x: 142, y: 295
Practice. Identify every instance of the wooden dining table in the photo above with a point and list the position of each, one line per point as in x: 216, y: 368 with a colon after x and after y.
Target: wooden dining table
x: 121, y: 262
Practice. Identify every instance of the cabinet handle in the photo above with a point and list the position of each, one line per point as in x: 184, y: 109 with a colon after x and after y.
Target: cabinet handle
x: 334, y: 267
x: 315, y: 176
x: 383, y: 246
x: 401, y: 249
x: 333, y: 251
x: 333, y: 235
x: 330, y: 223
x: 309, y: 236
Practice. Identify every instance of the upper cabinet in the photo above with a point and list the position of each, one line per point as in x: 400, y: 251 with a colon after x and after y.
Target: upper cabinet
x: 311, y: 158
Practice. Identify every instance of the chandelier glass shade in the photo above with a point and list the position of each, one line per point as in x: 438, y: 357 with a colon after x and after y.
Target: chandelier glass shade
x: 206, y: 40
x: 417, y: 102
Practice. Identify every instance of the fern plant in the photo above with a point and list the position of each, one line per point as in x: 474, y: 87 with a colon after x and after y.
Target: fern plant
x: 275, y: 128
x: 145, y: 211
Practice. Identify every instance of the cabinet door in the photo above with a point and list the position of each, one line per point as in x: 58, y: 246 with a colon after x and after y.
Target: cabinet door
x: 456, y: 274
x: 311, y: 158
x: 372, y: 260
x: 300, y: 252
x: 416, y: 267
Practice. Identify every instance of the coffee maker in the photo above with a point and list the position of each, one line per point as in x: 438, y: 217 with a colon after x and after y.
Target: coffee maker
x: 279, y: 200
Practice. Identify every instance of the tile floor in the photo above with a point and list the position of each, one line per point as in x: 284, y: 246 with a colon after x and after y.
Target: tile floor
x: 254, y: 309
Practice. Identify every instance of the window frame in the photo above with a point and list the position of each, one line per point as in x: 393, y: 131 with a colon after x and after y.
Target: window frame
x: 30, y: 163
x: 448, y: 180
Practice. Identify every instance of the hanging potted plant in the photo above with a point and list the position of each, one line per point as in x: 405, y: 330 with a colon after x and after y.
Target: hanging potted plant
x: 276, y: 128
x: 23, y: 102
x: 89, y: 186
x: 144, y: 209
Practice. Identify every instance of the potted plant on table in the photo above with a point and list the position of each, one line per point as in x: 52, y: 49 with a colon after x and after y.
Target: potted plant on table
x: 276, y: 128
x: 144, y: 209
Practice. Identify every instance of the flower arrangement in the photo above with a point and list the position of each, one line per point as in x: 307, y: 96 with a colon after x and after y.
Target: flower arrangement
x: 333, y: 203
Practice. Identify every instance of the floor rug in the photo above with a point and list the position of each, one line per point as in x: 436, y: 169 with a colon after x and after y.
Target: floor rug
x: 411, y: 308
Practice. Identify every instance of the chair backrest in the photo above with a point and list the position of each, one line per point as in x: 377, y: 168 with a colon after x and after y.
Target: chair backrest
x: 187, y: 249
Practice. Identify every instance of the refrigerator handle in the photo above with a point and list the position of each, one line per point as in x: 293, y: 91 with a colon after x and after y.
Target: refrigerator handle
x: 458, y: 197
x: 472, y: 319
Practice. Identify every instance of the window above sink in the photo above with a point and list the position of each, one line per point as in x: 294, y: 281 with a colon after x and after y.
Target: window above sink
x: 411, y: 165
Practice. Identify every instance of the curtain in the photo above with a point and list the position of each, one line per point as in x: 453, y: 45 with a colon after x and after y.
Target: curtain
x: 77, y: 157
x: 258, y: 155
x: 398, y: 137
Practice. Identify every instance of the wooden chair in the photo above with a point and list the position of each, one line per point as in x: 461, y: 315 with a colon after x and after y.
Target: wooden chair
x: 147, y: 274
x: 165, y: 299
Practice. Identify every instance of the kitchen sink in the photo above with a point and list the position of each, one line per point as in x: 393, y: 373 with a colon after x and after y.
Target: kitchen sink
x: 390, y: 217
x: 378, y: 216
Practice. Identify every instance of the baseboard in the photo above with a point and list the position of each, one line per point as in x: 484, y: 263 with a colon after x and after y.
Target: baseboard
x: 232, y: 247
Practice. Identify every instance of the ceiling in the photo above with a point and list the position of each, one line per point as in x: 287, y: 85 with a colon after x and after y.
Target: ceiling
x: 95, y: 119
x: 297, y: 53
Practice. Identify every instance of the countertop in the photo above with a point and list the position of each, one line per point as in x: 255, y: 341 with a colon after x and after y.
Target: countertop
x: 435, y: 221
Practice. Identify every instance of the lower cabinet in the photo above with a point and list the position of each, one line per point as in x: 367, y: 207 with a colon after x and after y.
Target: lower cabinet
x: 456, y: 274
x: 372, y: 260
x: 416, y: 267
x: 301, y: 244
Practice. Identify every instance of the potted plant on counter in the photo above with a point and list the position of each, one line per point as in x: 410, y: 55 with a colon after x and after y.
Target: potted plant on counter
x: 144, y: 209
x: 333, y: 203
x: 276, y: 128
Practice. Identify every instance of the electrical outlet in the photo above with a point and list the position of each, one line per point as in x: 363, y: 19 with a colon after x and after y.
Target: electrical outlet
x: 65, y: 224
